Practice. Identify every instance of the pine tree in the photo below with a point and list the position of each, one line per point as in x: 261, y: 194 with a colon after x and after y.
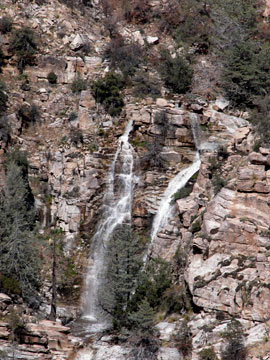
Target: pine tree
x: 18, y: 258
x: 124, y: 261
x: 144, y: 317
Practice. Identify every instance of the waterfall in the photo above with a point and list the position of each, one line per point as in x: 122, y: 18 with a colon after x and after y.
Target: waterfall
x: 164, y: 212
x: 196, y: 130
x: 116, y: 209
x: 178, y: 182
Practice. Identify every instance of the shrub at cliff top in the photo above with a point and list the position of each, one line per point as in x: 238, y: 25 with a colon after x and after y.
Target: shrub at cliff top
x: 107, y: 92
x: 126, y: 57
x: 246, y: 72
x: 175, y: 72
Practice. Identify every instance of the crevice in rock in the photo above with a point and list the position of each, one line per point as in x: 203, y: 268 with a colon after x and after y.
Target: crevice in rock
x: 195, y: 308
x: 196, y: 250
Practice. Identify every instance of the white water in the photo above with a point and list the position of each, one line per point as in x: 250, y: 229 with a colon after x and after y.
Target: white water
x: 196, y: 130
x: 178, y: 182
x: 116, y: 210
x: 164, y: 212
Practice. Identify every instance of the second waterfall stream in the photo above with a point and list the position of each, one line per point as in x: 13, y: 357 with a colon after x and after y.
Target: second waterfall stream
x: 164, y: 212
x: 116, y: 210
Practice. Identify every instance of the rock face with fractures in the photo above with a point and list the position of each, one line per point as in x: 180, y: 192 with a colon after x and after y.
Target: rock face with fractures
x: 222, y: 227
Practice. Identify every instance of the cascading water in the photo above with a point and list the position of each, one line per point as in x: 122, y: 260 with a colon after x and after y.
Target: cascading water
x: 196, y: 130
x: 178, y: 182
x: 164, y: 212
x: 116, y: 210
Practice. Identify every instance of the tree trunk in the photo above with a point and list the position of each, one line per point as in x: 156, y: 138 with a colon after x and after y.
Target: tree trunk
x: 52, y: 315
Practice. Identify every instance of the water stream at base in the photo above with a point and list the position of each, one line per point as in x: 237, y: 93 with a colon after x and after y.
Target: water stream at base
x: 116, y: 210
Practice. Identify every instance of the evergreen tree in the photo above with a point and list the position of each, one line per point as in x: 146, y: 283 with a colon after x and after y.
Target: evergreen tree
x: 246, y: 72
x: 124, y: 261
x: 233, y: 21
x: 144, y: 317
x: 153, y: 282
x: 130, y: 294
x: 175, y: 72
x: 18, y: 258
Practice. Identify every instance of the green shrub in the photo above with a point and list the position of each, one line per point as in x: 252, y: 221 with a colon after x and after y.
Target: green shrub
x: 257, y: 146
x: 183, y: 340
x: 235, y: 349
x: 207, y: 354
x: 19, y: 158
x: 216, y: 25
x: 222, y: 152
x: 175, y: 72
x: 25, y: 86
x: 154, y: 281
x: 126, y: 57
x: 76, y: 136
x: 24, y: 44
x: 218, y: 182
x: 52, y: 78
x: 180, y: 259
x: 195, y: 227
x: 214, y: 164
x: 72, y: 116
x: 233, y: 21
x: 10, y: 285
x: 3, y: 85
x: 3, y: 355
x: 16, y: 325
x: 182, y: 193
x: 78, y: 84
x: 194, y: 27
x: 107, y: 92
x: 176, y: 300
x: 138, y: 11
x: 144, y: 86
x: 246, y: 72
x: 261, y: 119
x: 2, y: 58
x: 3, y: 102
x: 4, y: 129
x: 5, y: 24
x: 23, y: 77
x: 29, y: 114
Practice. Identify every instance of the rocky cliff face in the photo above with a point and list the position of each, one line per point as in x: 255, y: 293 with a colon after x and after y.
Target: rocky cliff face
x: 221, y: 227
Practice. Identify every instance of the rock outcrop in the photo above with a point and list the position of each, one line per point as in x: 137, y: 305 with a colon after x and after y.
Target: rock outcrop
x: 221, y: 229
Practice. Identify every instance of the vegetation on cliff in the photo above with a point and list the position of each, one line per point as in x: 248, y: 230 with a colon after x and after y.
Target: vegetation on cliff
x: 19, y: 263
x: 80, y: 137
